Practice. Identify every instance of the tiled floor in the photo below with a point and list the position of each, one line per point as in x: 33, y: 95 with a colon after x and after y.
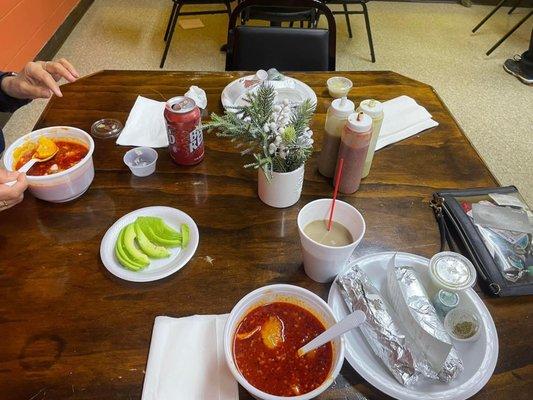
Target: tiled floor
x: 428, y: 42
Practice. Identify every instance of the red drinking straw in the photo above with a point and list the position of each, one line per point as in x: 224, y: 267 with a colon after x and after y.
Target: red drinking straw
x: 335, y: 191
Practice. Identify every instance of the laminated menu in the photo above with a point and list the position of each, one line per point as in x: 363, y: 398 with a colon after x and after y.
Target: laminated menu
x: 420, y: 319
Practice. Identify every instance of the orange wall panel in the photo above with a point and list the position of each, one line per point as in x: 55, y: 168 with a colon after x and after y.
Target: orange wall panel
x: 26, y: 26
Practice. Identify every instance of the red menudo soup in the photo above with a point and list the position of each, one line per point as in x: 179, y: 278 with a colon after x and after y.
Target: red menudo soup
x: 69, y: 154
x: 265, y: 349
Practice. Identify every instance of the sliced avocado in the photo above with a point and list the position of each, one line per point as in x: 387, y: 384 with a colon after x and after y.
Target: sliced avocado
x: 162, y: 230
x: 184, y: 235
x: 122, y: 258
x: 147, y: 246
x: 130, y: 249
x: 147, y: 228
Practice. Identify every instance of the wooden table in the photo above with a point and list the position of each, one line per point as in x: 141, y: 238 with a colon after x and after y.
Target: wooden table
x: 70, y: 330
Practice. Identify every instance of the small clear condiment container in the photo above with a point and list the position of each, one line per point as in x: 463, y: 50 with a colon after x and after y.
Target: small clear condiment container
x: 141, y: 161
x: 339, y: 86
x: 452, y: 271
x: 462, y: 325
x: 106, y: 128
x: 445, y: 301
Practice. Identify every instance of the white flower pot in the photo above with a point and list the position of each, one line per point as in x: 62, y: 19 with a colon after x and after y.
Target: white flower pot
x: 283, y: 190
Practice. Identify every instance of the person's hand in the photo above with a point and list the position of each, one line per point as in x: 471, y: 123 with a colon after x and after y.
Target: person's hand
x: 11, y: 195
x: 39, y: 79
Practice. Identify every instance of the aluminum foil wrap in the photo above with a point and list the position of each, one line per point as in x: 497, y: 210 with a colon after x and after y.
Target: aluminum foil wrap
x: 420, y: 319
x: 380, y: 330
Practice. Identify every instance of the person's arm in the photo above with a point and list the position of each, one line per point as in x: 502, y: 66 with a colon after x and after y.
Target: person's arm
x: 36, y: 80
x: 8, y: 103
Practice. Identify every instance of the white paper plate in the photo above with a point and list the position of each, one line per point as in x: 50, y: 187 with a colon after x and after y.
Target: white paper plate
x: 158, y: 268
x: 296, y: 91
x: 479, y: 358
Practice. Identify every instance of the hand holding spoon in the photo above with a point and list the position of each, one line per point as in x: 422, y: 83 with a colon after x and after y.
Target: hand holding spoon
x: 351, y: 321
x: 45, y: 151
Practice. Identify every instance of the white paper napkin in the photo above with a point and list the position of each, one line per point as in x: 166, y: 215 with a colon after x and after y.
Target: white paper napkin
x: 145, y: 125
x: 186, y: 360
x: 404, y: 117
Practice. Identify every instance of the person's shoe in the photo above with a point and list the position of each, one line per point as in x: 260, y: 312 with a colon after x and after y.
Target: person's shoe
x: 514, y: 67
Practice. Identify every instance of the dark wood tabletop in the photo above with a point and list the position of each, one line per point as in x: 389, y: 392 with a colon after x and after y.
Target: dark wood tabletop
x: 71, y: 330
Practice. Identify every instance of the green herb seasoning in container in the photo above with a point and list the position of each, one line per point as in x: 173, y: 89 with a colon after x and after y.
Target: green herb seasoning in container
x: 445, y: 301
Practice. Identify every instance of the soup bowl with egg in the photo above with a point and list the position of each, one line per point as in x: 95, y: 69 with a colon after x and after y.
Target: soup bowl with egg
x: 67, y: 175
x: 262, y: 336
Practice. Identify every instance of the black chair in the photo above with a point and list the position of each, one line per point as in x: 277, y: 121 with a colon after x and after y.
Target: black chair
x: 176, y: 12
x: 347, y: 14
x: 288, y: 49
x: 514, y: 28
x: 277, y: 15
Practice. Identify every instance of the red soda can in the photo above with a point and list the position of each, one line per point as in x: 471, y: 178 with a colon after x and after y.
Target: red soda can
x: 184, y: 129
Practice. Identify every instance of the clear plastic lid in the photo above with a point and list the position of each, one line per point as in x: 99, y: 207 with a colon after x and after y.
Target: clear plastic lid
x: 106, y: 128
x: 452, y: 271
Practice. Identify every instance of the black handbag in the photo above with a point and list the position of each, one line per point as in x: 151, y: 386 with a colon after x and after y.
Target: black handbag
x: 504, y: 268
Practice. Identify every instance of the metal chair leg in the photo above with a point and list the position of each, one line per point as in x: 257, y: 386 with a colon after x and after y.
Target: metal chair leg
x: 347, y: 16
x: 170, y: 18
x: 514, y: 28
x: 228, y: 8
x: 369, y: 32
x: 171, y: 33
x: 498, y: 6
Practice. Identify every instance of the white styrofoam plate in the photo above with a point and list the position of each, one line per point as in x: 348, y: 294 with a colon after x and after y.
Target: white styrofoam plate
x: 479, y: 358
x: 294, y: 90
x: 158, y: 268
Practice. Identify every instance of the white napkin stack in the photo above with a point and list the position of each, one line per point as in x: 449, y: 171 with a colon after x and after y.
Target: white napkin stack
x: 145, y: 125
x: 404, y: 117
x: 186, y: 360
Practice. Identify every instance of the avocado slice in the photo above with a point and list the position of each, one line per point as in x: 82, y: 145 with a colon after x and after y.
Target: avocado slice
x: 150, y: 227
x: 184, y: 235
x: 162, y: 230
x: 147, y: 246
x: 122, y: 258
x: 130, y: 249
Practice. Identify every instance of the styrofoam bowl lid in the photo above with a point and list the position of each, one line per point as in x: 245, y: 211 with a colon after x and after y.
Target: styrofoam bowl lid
x: 452, y: 271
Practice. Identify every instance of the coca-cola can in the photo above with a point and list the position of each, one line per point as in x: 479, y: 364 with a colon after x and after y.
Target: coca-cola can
x: 184, y: 128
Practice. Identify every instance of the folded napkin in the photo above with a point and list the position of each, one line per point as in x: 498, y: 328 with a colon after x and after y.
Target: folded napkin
x: 186, y: 360
x: 404, y: 117
x: 145, y: 125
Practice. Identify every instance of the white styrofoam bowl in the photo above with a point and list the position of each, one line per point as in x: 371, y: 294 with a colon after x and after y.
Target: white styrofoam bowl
x: 65, y: 185
x: 287, y: 293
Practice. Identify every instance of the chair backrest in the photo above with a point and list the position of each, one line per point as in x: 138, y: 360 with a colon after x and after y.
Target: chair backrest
x: 287, y: 49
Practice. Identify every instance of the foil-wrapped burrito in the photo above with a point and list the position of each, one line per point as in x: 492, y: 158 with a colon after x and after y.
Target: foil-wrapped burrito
x: 380, y: 329
x: 411, y: 302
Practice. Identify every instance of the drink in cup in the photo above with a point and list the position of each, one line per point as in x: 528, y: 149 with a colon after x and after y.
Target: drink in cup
x: 336, y: 118
x: 325, y: 253
x: 184, y: 128
x: 355, y: 140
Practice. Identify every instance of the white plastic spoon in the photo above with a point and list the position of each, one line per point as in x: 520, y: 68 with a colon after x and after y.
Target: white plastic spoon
x: 26, y: 167
x: 351, y: 321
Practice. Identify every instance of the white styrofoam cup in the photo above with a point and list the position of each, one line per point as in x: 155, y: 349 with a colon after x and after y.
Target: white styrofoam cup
x: 323, y: 263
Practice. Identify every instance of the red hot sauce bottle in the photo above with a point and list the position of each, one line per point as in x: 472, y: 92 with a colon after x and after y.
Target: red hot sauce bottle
x: 355, y: 140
